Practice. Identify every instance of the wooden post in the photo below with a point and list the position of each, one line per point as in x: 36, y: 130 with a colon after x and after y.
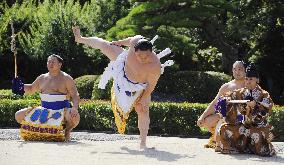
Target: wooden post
x: 13, y: 48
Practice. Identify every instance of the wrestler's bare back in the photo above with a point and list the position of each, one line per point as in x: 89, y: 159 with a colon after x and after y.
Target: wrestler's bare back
x: 139, y: 72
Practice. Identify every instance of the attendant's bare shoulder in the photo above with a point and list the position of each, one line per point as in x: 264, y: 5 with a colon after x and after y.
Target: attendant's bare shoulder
x: 225, y: 88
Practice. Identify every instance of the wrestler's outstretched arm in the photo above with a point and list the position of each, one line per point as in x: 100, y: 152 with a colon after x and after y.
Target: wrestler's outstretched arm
x: 34, y: 87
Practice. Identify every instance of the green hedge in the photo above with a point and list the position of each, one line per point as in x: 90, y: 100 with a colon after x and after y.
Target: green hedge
x: 166, y: 118
x: 8, y: 108
x: 277, y: 120
x: 7, y: 94
x: 85, y: 85
x: 191, y: 86
x: 101, y: 94
x: 96, y: 116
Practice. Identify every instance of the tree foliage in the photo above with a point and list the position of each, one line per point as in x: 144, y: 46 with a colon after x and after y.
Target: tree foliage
x: 45, y: 27
x: 203, y: 34
x: 228, y: 30
x: 234, y: 27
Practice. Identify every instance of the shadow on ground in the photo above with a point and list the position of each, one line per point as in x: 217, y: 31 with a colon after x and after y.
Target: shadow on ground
x: 154, y: 153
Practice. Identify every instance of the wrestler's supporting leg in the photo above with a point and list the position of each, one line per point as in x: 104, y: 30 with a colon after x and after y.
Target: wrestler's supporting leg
x: 143, y: 124
x: 71, y: 122
x: 20, y: 115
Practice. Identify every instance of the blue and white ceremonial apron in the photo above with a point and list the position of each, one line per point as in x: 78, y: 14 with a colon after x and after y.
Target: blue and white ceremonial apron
x: 44, y: 123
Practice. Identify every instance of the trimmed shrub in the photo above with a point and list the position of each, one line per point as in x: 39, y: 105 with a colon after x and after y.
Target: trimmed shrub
x: 85, y: 85
x: 8, y: 108
x: 171, y: 119
x: 191, y: 86
x: 167, y: 118
x: 277, y: 120
x: 101, y: 94
x: 7, y: 94
x: 96, y: 116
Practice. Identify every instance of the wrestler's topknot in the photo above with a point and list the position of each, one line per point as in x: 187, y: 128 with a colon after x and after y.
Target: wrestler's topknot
x: 239, y: 63
x: 143, y: 45
x: 60, y: 59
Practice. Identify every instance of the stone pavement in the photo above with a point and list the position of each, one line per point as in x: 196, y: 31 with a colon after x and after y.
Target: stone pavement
x: 117, y: 149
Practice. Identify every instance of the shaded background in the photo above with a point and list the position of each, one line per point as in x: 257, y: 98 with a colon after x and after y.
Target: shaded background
x: 204, y: 35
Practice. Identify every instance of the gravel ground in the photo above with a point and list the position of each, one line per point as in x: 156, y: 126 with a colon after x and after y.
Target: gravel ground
x: 13, y: 134
x: 100, y: 148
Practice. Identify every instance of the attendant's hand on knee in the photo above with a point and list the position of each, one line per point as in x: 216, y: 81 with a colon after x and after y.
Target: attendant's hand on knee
x: 200, y: 121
